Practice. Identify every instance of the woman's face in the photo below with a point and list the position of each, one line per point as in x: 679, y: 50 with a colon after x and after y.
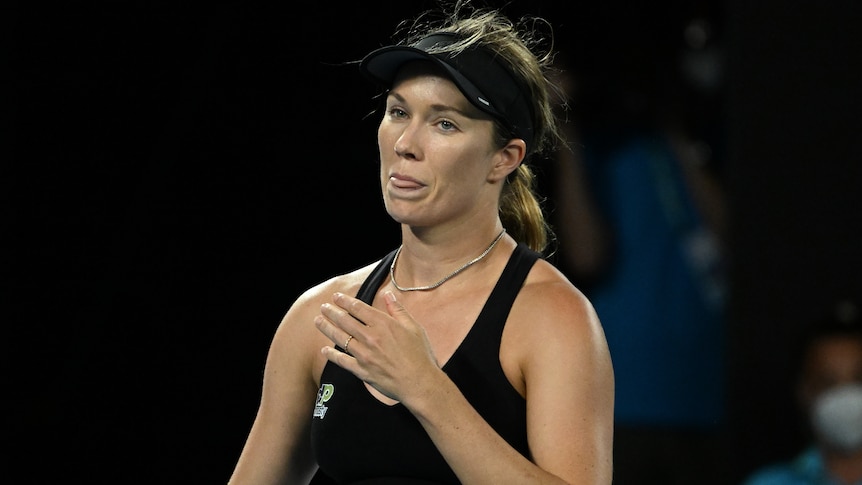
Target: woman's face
x: 438, y: 160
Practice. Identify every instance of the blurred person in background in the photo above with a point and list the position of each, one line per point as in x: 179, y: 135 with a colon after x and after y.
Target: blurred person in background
x: 639, y: 211
x: 829, y: 397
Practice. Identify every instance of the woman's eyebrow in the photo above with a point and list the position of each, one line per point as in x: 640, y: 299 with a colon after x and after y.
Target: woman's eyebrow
x: 470, y: 112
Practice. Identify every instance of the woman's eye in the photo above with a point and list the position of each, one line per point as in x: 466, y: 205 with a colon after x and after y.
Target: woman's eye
x: 397, y: 112
x: 447, y: 125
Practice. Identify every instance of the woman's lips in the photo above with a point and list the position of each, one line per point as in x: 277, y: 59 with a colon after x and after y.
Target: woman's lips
x: 402, y: 182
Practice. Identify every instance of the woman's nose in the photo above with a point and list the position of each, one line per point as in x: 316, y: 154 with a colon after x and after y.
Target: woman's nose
x: 407, y: 144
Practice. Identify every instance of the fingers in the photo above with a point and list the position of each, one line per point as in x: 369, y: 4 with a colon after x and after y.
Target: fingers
x: 347, y: 320
x: 334, y: 332
x: 363, y: 313
x: 339, y: 323
x: 393, y: 305
x: 341, y: 319
x: 341, y: 359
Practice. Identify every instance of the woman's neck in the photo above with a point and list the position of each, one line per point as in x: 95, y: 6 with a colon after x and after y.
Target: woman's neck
x: 425, y: 261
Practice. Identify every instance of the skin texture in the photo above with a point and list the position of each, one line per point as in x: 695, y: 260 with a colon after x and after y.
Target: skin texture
x: 441, y: 178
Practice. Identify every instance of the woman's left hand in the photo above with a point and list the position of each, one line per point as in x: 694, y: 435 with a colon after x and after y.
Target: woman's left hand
x: 388, y: 350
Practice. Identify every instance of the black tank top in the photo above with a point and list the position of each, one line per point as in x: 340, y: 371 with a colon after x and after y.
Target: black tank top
x: 358, y: 439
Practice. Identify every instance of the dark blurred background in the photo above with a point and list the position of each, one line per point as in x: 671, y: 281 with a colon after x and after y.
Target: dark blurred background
x: 174, y: 174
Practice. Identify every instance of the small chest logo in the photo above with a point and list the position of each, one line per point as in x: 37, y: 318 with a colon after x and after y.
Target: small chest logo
x: 323, y: 394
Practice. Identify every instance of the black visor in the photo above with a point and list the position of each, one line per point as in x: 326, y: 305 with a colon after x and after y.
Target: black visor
x: 480, y: 76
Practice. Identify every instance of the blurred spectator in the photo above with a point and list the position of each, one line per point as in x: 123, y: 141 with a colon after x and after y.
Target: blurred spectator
x: 829, y: 399
x: 639, y: 214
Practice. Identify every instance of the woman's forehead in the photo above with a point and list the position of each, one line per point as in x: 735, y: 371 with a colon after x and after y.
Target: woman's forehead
x: 434, y: 82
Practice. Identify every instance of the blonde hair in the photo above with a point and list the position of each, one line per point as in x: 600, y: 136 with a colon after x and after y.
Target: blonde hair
x: 526, y: 48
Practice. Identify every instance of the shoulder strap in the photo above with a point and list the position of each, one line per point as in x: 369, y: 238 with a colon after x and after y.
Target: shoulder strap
x: 501, y: 299
x: 487, y: 332
x: 375, y: 279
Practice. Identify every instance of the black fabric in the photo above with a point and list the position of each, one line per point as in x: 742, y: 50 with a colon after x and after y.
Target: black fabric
x: 480, y: 74
x: 358, y: 439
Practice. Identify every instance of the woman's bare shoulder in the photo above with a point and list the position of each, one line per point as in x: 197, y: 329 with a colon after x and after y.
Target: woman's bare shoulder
x: 552, y: 305
x: 307, y: 304
x: 552, y: 328
x: 296, y: 336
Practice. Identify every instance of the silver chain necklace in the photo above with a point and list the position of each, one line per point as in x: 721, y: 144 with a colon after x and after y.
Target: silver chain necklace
x: 445, y: 278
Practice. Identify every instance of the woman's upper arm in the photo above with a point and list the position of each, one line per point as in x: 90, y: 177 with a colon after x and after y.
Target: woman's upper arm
x: 278, y: 446
x: 569, y: 384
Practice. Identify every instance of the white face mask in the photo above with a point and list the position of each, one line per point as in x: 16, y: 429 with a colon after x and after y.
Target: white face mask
x: 837, y: 417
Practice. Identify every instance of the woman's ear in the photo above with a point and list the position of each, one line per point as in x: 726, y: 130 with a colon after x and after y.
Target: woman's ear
x: 507, y: 159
